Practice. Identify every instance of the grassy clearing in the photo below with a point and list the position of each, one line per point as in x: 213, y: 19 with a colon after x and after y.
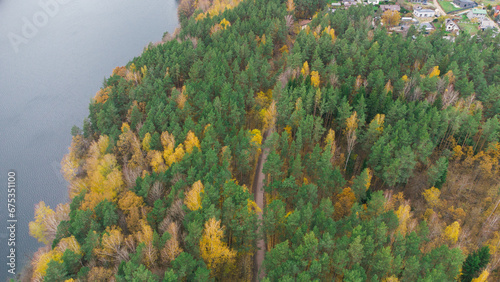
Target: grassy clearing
x: 447, y: 6
x: 471, y: 28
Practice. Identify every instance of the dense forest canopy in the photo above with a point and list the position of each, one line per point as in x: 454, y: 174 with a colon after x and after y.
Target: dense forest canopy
x: 382, y: 154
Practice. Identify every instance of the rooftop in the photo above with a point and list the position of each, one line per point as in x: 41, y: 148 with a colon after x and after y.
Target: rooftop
x: 424, y: 10
x: 479, y: 11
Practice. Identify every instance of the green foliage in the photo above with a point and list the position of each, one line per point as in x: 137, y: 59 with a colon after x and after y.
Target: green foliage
x: 224, y: 85
x: 474, y: 264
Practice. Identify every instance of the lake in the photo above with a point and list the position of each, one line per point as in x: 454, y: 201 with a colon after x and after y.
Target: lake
x: 53, y: 59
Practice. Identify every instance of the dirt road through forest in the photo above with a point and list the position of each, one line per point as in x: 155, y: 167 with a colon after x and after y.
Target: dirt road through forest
x: 258, y: 184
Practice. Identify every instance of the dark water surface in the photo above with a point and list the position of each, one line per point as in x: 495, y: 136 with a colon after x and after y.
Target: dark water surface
x: 52, y: 61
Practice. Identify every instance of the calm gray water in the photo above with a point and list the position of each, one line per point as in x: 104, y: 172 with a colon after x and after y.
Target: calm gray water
x: 47, y: 83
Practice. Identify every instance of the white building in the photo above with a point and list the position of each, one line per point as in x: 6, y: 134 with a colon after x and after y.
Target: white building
x: 424, y: 13
x: 451, y: 26
x: 487, y: 23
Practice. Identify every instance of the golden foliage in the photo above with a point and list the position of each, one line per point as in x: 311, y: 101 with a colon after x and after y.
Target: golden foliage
x: 168, y: 142
x: 352, y: 123
x: 379, y: 119
x: 41, y: 260
x: 256, y: 138
x: 201, y: 16
x: 218, y: 6
x: 391, y: 279
x: 290, y: 6
x: 111, y: 246
x: 452, y: 231
x: 432, y: 196
x: 404, y: 216
x: 191, y: 142
x: 434, y: 71
x: 106, y: 180
x: 193, y: 196
x: 156, y: 161
x: 102, y: 95
x: 284, y: 49
x: 450, y: 76
x: 146, y: 142
x: 181, y: 98
x: 305, y: 69
x: 145, y: 235
x: 130, y: 200
x: 44, y: 227
x: 404, y: 78
x: 368, y: 178
x: 330, y: 142
x: 269, y: 116
x: 225, y: 23
x: 315, y: 79
x: 350, y: 132
x: 388, y: 86
x: 214, y: 251
x: 391, y: 18
x: 68, y: 243
x: 483, y: 277
x: 252, y: 205
x: 264, y: 99
x: 486, y: 163
x: 330, y: 31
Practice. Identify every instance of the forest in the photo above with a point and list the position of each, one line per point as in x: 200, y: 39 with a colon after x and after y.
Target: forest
x: 380, y: 153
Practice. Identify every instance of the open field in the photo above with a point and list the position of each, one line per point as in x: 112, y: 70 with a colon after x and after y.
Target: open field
x: 447, y: 6
x: 471, y: 28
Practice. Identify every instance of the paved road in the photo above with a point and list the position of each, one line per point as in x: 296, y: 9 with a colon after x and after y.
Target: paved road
x: 258, y: 184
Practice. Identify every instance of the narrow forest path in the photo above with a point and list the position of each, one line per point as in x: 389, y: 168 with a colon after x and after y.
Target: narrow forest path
x: 258, y: 188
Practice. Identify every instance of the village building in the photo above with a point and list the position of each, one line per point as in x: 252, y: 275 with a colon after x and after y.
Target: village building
x: 390, y: 7
x: 487, y: 23
x: 424, y: 2
x: 451, y: 25
x: 423, y: 13
x: 465, y: 3
x: 476, y: 14
x: 427, y: 26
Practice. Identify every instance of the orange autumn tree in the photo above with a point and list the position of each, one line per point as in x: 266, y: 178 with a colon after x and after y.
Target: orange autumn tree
x: 290, y: 6
x: 344, y: 203
x: 391, y: 18
x: 214, y: 251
